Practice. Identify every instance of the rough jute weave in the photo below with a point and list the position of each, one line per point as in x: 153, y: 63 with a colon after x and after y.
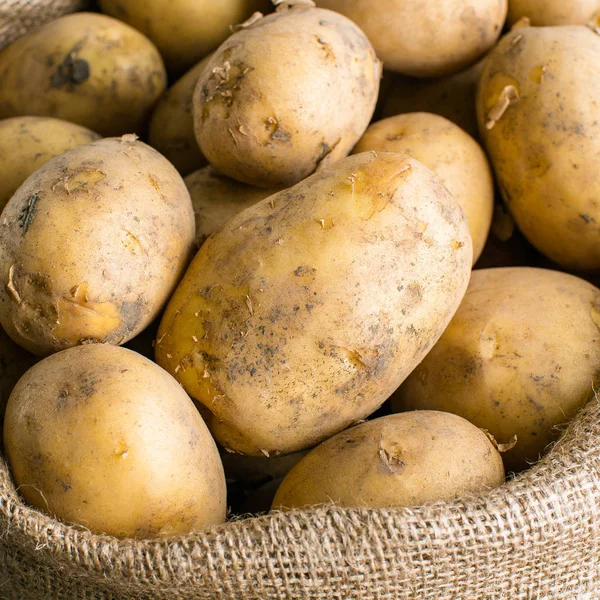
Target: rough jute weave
x: 538, y: 537
x: 17, y: 17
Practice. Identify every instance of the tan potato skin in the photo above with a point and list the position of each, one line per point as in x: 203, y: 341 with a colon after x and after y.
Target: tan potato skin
x: 520, y: 357
x: 101, y: 436
x: 26, y: 143
x: 86, y: 68
x: 171, y: 129
x: 217, y: 198
x: 184, y: 31
x: 92, y: 245
x: 304, y: 312
x: 545, y: 147
x: 452, y: 154
x: 286, y: 96
x: 400, y: 460
x: 426, y: 39
x: 543, y: 13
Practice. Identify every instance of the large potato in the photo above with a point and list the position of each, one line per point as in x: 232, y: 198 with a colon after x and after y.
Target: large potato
x: 304, y: 312
x: 552, y: 12
x: 453, y: 155
x: 26, y: 143
x: 217, y: 198
x: 286, y: 96
x: 92, y: 245
x: 184, y: 30
x: 539, y: 116
x: 103, y: 437
x: 86, y: 68
x: 401, y: 460
x: 426, y: 39
x: 520, y: 357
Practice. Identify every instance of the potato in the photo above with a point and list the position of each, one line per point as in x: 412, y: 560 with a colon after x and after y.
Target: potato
x: 102, y: 437
x: 86, y: 68
x: 216, y: 199
x: 92, y: 245
x: 539, y: 116
x: 171, y: 129
x: 26, y: 143
x: 184, y: 30
x: 453, y: 155
x: 304, y: 312
x: 520, y: 357
x: 288, y: 95
x: 552, y: 12
x: 426, y: 39
x: 400, y: 460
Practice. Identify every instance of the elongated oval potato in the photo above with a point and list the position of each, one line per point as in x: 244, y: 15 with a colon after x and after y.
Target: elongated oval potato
x: 520, y: 357
x: 304, y: 312
x: 217, y: 198
x: 92, y: 245
x: 426, y: 39
x: 452, y: 154
x: 86, y: 68
x: 103, y: 437
x: 26, y: 143
x: 542, y: 13
x: 285, y: 96
x: 539, y: 116
x: 184, y: 31
x: 400, y: 460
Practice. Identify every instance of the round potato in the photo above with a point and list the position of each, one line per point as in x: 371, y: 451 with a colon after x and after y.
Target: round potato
x: 400, y: 460
x: 542, y: 13
x: 304, y: 313
x: 102, y: 437
x: 453, y: 155
x: 184, y: 30
x: 217, y: 198
x: 26, y: 143
x: 92, y: 246
x: 520, y: 357
x: 86, y: 68
x: 539, y: 116
x: 426, y: 39
x: 285, y: 96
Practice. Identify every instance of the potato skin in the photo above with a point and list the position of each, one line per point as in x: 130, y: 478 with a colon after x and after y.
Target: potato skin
x: 429, y: 39
x: 520, y: 357
x: 26, y: 143
x: 401, y: 460
x: 217, y: 198
x: 184, y: 31
x: 101, y: 436
x: 86, y: 68
x: 289, y: 95
x: 545, y: 145
x: 92, y: 245
x: 543, y: 13
x: 304, y: 312
x: 452, y: 154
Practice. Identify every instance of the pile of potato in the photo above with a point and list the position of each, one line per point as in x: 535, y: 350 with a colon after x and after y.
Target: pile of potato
x: 270, y: 302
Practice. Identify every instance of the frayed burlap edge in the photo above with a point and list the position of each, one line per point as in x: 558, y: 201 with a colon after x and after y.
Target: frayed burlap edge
x: 536, y: 537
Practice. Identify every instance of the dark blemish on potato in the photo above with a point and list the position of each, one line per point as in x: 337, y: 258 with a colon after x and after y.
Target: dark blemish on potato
x: 67, y: 487
x: 587, y: 218
x: 26, y: 215
x: 71, y: 72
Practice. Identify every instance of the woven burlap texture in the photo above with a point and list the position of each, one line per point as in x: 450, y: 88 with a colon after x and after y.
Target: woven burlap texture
x: 538, y: 537
x: 17, y: 17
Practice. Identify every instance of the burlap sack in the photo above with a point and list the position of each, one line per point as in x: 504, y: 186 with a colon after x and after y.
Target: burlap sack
x: 536, y: 538
x: 20, y: 16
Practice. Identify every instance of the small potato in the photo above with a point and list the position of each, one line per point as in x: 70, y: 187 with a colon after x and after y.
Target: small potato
x: 184, y: 30
x: 542, y: 13
x: 26, y: 143
x: 453, y: 155
x: 401, y: 460
x: 426, y: 39
x: 92, y: 245
x: 520, y: 357
x: 102, y: 437
x: 286, y: 96
x: 217, y: 198
x: 86, y: 68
